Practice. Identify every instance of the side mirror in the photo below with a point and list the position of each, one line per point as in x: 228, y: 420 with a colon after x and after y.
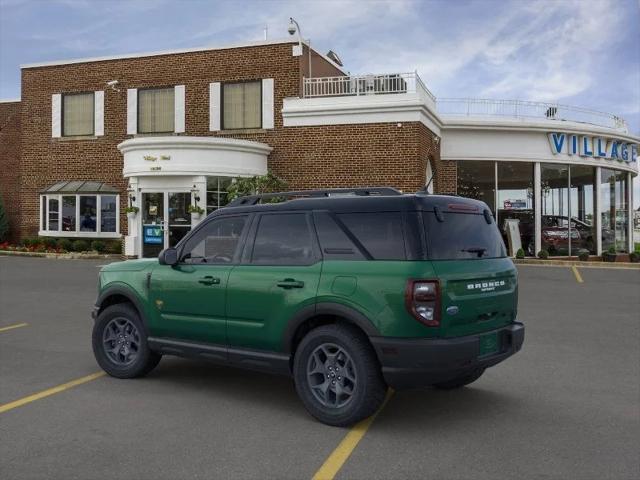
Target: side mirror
x: 168, y: 256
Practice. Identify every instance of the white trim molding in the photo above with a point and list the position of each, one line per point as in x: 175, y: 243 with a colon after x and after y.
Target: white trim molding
x: 132, y: 111
x: 179, y: 109
x: 267, y: 103
x: 98, y: 112
x: 214, y: 107
x: 183, y: 155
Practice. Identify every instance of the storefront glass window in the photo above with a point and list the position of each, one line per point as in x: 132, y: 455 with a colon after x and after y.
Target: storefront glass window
x: 516, y: 202
x: 581, y: 204
x: 477, y: 180
x: 69, y: 213
x: 88, y: 213
x: 108, y: 213
x: 54, y: 205
x: 555, y: 209
x: 614, y: 209
x: 62, y: 218
x: 217, y: 192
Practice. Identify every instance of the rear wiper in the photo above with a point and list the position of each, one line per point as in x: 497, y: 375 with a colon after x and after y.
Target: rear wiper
x: 480, y: 251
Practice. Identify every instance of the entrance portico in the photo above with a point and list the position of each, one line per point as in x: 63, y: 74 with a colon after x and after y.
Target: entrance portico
x: 167, y: 174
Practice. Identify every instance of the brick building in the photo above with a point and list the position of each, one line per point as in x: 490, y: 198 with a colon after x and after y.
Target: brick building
x: 165, y: 130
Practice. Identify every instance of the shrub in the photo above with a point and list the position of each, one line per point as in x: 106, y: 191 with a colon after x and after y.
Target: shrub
x: 48, y: 242
x: 65, y: 244
x: 4, y: 223
x: 583, y: 255
x: 114, y: 247
x: 268, y: 183
x: 612, y: 249
x: 520, y: 253
x: 634, y: 257
x: 98, y: 245
x: 543, y: 254
x: 80, y: 246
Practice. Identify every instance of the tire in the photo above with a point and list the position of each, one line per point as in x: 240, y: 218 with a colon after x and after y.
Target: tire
x: 130, y: 356
x: 460, y: 381
x: 360, y: 384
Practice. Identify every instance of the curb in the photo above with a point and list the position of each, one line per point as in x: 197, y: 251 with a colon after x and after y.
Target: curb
x: 63, y: 256
x: 576, y: 263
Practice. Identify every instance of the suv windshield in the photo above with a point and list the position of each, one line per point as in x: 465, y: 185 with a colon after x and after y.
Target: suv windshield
x: 460, y: 236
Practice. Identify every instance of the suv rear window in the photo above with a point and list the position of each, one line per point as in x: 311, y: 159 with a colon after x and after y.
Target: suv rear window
x: 461, y: 236
x: 379, y: 233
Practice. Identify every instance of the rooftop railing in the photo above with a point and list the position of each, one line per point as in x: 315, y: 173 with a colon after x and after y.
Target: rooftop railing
x: 477, y: 107
x: 373, y: 84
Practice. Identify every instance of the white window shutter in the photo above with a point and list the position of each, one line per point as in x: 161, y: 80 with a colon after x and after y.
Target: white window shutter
x: 56, y: 115
x: 214, y: 106
x: 132, y: 111
x: 267, y: 103
x: 178, y: 110
x: 98, y: 113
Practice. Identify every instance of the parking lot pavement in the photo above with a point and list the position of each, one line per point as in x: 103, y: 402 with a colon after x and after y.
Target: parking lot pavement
x: 567, y: 406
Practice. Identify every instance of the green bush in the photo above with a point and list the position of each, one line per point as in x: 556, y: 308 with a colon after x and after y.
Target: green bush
x: 611, y: 249
x: 634, y: 257
x: 98, y: 245
x: 268, y: 183
x: 48, y: 242
x: 114, y: 247
x: 520, y: 253
x: 583, y: 255
x: 65, y: 244
x: 4, y: 223
x: 543, y: 254
x: 29, y: 242
x: 80, y: 246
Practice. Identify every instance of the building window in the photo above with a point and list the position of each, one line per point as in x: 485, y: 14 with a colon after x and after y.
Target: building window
x: 78, y: 114
x: 77, y: 215
x: 156, y: 110
x: 217, y: 192
x: 614, y: 210
x: 515, y: 202
x: 242, y: 105
x: 477, y: 180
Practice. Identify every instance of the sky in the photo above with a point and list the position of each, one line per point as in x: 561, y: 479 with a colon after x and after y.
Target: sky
x: 576, y: 52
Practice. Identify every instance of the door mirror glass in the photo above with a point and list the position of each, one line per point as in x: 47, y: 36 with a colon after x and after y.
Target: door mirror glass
x: 168, y: 256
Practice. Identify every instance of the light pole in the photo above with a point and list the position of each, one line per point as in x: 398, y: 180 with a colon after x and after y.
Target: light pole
x: 293, y: 28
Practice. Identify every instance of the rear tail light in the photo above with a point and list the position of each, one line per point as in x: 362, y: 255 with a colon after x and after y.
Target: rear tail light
x: 422, y: 299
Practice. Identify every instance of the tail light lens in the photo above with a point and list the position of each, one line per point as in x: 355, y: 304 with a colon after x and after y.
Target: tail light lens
x: 422, y: 298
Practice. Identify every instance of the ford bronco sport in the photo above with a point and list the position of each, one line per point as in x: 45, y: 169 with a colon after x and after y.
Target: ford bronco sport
x: 347, y: 291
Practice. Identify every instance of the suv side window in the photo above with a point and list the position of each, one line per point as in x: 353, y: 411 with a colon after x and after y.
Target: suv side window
x: 380, y: 233
x: 283, y: 239
x: 335, y: 243
x: 215, y: 243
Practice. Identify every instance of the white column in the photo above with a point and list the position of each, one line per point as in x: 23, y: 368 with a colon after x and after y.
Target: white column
x: 630, y: 211
x: 537, y: 208
x: 598, y: 212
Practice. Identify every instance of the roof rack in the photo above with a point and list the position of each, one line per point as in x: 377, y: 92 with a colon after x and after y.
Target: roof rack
x: 360, y: 192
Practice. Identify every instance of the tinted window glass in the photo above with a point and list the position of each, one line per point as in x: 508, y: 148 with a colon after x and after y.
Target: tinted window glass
x: 380, y: 233
x: 283, y: 240
x: 217, y: 242
x: 462, y: 236
x: 335, y: 244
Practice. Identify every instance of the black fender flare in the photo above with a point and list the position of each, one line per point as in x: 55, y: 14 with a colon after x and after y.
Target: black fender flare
x: 349, y: 314
x: 123, y: 291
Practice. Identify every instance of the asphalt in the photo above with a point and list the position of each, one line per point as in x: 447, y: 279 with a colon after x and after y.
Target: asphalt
x: 567, y: 406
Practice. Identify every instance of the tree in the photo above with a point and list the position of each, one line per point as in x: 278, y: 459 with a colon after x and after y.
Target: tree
x: 4, y: 222
x: 244, y: 186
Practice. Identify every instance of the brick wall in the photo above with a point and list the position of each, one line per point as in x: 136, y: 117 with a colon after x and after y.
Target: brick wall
x: 10, y: 162
x: 306, y: 157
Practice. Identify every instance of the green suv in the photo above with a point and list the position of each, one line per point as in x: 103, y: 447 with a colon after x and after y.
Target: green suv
x: 347, y: 291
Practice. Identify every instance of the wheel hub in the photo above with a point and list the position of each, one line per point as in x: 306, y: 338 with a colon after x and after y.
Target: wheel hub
x: 121, y: 341
x: 331, y: 375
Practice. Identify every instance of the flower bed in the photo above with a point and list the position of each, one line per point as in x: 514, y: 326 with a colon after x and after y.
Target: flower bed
x: 64, y: 245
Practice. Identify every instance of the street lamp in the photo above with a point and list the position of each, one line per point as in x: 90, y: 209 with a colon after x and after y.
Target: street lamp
x: 293, y: 28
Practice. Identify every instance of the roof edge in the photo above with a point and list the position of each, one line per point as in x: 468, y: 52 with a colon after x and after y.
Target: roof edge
x: 158, y: 53
x: 10, y: 100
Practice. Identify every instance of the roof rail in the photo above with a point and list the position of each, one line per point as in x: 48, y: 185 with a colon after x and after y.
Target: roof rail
x: 360, y: 192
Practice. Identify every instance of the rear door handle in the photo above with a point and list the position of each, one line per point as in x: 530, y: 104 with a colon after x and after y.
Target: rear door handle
x: 209, y: 280
x: 290, y: 283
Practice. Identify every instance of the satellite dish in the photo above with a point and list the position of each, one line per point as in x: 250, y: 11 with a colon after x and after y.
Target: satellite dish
x: 333, y: 56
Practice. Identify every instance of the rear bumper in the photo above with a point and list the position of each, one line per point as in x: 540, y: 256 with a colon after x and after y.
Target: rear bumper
x: 410, y: 363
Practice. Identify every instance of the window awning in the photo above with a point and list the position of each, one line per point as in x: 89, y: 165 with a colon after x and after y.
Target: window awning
x: 80, y: 186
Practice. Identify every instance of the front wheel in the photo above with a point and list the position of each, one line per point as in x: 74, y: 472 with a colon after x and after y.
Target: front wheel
x: 120, y: 343
x: 460, y: 381
x: 337, y: 375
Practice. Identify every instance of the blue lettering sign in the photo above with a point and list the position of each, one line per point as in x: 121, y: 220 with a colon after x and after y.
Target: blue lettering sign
x: 634, y: 153
x: 600, y: 149
x: 557, y: 142
x: 624, y: 152
x: 152, y: 235
x: 573, y: 146
x: 614, y: 150
x: 586, y: 149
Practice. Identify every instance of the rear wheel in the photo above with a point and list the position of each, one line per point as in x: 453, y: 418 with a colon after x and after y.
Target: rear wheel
x: 460, y: 381
x: 337, y: 375
x: 120, y: 343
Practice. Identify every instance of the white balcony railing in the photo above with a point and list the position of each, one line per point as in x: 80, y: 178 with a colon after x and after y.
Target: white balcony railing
x: 477, y: 107
x: 355, y: 85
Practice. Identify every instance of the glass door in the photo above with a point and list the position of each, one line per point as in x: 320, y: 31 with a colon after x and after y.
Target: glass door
x: 153, y: 223
x: 179, y: 218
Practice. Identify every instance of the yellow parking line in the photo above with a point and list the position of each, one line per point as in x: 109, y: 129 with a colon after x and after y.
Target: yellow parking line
x: 51, y: 391
x: 333, y: 464
x: 577, y: 274
x: 11, y: 327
